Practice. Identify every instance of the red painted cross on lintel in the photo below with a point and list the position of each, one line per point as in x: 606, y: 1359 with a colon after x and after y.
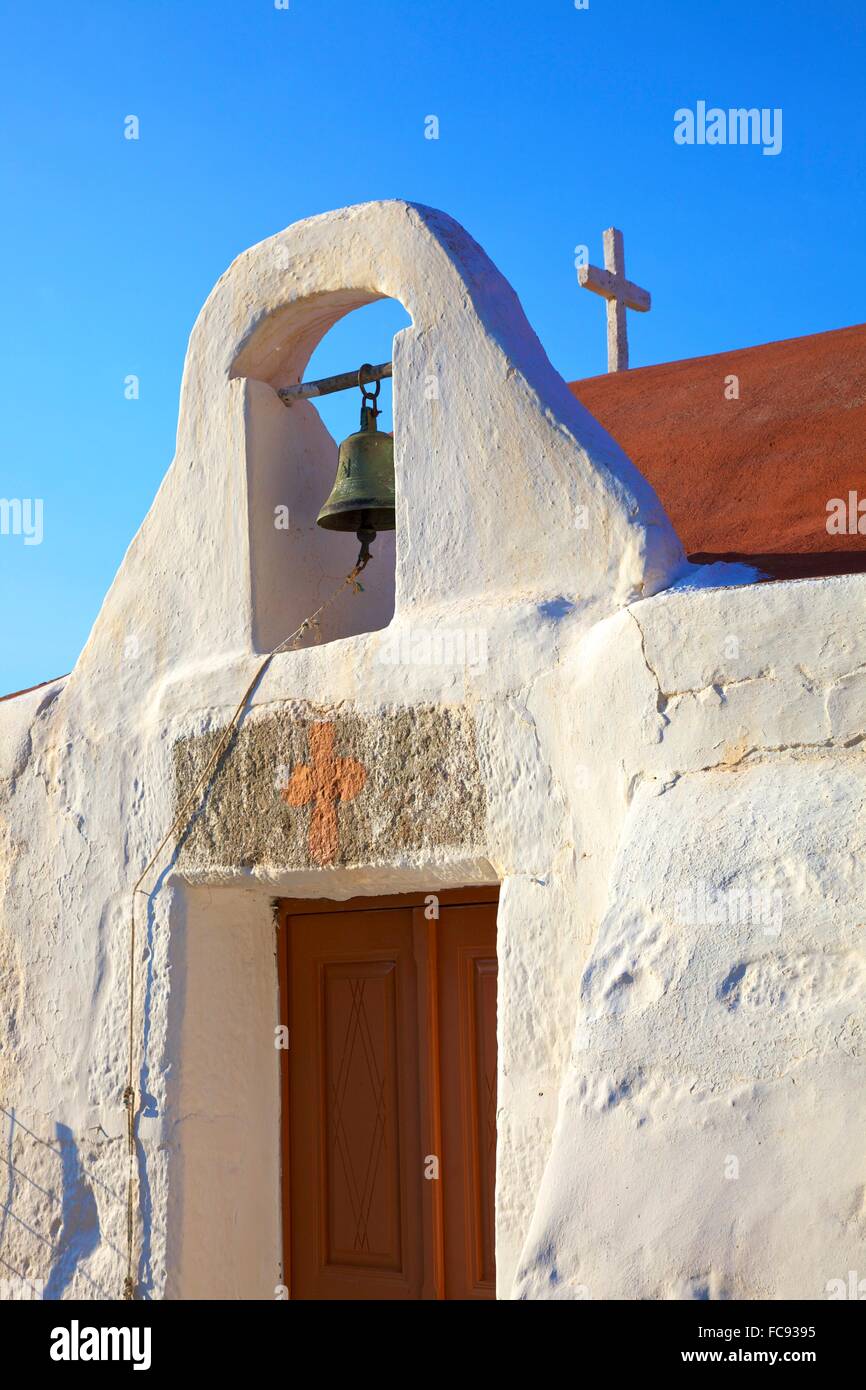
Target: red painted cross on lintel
x: 325, y: 780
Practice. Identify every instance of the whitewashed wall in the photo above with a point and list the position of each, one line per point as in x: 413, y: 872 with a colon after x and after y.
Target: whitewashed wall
x: 607, y: 754
x: 707, y: 1136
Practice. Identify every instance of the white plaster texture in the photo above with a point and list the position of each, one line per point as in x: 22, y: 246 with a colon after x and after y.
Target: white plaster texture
x: 622, y: 758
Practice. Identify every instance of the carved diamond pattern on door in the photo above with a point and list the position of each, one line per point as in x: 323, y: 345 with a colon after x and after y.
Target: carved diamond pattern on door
x: 392, y: 1025
x: 360, y: 1028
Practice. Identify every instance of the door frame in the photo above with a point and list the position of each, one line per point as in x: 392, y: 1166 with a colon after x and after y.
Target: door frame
x: 426, y: 964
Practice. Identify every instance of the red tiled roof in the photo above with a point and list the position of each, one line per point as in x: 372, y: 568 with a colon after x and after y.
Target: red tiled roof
x: 26, y: 691
x: 750, y: 478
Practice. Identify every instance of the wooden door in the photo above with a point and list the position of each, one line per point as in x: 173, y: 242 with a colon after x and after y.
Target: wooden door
x: 389, y: 1117
x: 467, y: 1046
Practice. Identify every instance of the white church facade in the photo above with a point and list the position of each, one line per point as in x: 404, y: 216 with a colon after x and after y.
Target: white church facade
x: 516, y: 946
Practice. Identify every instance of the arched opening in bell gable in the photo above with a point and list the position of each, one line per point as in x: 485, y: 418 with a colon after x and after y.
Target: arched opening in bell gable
x: 292, y: 454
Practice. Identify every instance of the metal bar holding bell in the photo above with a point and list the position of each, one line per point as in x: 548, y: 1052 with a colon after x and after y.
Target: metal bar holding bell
x: 328, y: 384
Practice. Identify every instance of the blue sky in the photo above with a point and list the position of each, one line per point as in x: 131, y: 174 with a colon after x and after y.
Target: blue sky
x: 554, y: 123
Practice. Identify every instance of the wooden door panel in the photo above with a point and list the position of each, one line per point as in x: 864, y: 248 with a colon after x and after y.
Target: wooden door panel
x: 392, y: 1059
x: 467, y: 995
x: 483, y: 997
x: 354, y: 1164
x: 360, y: 1102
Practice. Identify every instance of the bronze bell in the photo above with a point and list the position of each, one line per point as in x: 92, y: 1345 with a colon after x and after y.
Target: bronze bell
x: 362, y: 498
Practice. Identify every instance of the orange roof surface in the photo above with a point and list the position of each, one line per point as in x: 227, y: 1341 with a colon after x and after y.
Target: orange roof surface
x: 750, y: 478
x: 27, y: 690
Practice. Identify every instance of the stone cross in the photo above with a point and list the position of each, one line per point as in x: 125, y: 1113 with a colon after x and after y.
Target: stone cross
x: 325, y: 780
x: 620, y: 294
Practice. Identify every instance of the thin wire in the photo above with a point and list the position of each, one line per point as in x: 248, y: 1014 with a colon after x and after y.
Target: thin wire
x: 180, y: 819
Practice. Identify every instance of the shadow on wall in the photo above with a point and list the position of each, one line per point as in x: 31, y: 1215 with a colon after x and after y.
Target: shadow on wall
x: 70, y: 1214
x: 79, y: 1231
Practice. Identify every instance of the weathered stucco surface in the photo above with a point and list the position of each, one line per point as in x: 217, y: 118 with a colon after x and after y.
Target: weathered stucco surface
x: 532, y: 701
x: 717, y: 1059
x: 420, y: 792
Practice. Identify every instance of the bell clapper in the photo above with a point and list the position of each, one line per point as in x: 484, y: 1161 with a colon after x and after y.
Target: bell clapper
x: 366, y: 536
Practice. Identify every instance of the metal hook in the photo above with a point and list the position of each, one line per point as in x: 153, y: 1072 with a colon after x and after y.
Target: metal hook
x: 367, y: 393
